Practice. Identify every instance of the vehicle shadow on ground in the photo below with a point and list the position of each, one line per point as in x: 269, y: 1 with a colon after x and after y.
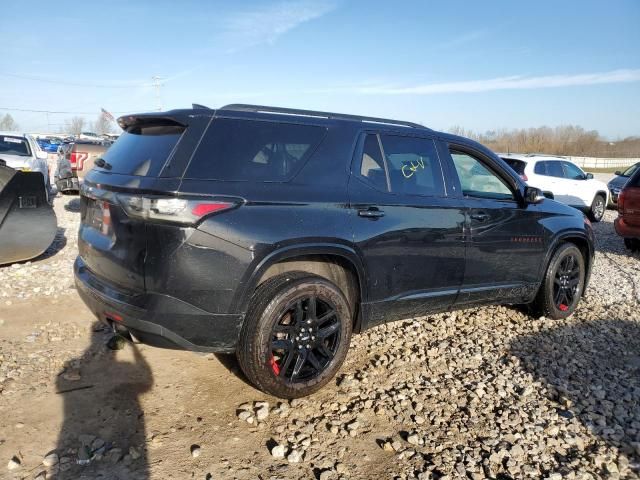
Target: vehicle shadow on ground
x: 230, y: 362
x: 103, y: 431
x: 73, y: 205
x: 593, y: 369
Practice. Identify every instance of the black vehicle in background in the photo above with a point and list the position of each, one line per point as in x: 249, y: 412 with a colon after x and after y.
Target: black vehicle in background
x: 277, y: 233
x: 617, y: 183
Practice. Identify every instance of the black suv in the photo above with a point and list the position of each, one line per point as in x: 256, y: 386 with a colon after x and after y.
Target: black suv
x: 277, y: 233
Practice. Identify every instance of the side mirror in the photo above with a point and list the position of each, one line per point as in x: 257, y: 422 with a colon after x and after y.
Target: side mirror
x: 617, y: 172
x: 589, y: 176
x: 42, y: 155
x: 533, y: 195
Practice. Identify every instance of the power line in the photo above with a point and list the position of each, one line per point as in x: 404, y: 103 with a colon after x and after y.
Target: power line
x: 72, y: 84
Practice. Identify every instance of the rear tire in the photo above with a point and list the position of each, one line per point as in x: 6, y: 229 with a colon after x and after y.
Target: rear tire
x: 562, y: 284
x: 632, y: 244
x: 295, y: 336
x: 598, y: 207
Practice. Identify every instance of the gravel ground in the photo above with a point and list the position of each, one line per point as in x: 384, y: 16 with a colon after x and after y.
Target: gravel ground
x: 479, y: 393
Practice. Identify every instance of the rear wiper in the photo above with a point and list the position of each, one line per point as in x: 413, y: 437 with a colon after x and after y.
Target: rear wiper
x: 102, y: 163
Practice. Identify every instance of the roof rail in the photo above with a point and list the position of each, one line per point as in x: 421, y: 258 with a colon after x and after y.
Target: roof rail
x: 544, y: 155
x: 239, y: 107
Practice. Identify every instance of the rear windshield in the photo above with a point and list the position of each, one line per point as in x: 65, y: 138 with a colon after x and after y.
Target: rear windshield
x: 142, y: 150
x: 517, y: 165
x: 253, y: 150
x: 14, y: 146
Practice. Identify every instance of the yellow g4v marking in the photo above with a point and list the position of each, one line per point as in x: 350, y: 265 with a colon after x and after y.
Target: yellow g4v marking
x: 409, y: 170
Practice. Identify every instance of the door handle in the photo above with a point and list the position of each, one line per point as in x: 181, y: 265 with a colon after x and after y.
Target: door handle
x: 480, y: 216
x: 371, y: 213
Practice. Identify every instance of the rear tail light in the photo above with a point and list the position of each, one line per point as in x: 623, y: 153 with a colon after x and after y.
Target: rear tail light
x: 184, y: 211
x: 523, y: 176
x: 621, y: 202
x: 77, y: 160
x: 106, y: 219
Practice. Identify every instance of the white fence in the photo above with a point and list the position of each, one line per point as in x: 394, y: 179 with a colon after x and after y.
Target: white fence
x: 595, y: 162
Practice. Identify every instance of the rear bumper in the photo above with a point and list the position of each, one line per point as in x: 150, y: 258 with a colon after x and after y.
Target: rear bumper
x: 158, y: 320
x: 69, y: 184
x: 625, y: 230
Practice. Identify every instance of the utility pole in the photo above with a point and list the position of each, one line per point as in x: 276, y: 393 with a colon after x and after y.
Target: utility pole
x: 157, y: 83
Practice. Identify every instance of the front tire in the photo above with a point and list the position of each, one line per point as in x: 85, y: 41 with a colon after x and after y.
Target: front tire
x: 563, y: 283
x: 295, y: 336
x: 598, y: 207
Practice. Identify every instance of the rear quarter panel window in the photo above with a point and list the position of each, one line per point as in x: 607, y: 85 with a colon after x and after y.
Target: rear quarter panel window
x: 253, y: 150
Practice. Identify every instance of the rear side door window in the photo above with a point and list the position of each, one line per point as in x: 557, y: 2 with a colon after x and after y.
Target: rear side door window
x: 541, y: 169
x: 554, y: 169
x: 413, y: 165
x: 372, y: 166
x: 477, y: 180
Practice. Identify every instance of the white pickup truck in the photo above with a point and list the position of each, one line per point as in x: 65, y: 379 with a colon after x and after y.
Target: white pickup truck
x: 21, y: 151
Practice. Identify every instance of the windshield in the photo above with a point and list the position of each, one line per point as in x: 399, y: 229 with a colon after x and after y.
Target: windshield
x: 631, y: 170
x: 14, y: 146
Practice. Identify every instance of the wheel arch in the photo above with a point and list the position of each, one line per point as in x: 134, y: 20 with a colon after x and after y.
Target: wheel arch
x: 337, y: 263
x: 580, y: 240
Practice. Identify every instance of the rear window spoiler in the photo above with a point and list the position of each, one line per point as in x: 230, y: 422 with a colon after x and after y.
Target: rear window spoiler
x: 128, y: 121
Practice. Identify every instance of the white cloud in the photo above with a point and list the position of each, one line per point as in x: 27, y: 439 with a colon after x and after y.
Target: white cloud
x: 265, y: 24
x: 514, y: 82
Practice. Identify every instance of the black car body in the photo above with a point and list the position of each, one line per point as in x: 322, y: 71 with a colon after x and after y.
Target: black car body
x: 618, y: 182
x: 261, y: 191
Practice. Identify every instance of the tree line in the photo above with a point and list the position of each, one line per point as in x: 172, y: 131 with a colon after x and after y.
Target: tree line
x: 571, y: 140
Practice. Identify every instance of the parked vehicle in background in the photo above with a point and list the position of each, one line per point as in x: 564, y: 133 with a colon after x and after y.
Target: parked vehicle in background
x: 74, y: 161
x: 616, y: 183
x: 21, y: 151
x: 49, y: 145
x: 276, y: 233
x: 564, y: 179
x: 627, y: 224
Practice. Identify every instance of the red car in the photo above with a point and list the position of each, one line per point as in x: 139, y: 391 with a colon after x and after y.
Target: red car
x: 628, y: 222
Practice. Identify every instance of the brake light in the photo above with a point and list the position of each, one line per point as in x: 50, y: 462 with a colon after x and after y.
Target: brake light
x: 184, y: 211
x: 621, y: 202
x: 77, y: 160
x: 524, y: 177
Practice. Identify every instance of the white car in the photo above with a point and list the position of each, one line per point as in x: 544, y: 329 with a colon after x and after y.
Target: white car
x: 564, y: 180
x: 21, y: 151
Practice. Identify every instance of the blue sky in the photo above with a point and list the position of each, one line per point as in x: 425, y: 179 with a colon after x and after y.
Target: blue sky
x: 480, y: 65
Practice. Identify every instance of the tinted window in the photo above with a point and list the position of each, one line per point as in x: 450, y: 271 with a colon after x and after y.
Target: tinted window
x: 14, y: 146
x: 518, y: 166
x: 142, y: 150
x: 631, y: 170
x: 253, y: 150
x: 572, y: 172
x: 372, y: 166
x: 554, y: 169
x: 413, y: 165
x: 540, y: 168
x: 477, y: 180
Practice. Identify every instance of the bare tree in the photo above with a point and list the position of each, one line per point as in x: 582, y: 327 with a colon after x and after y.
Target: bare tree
x: 103, y: 124
x: 75, y: 125
x: 562, y: 140
x: 8, y: 123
